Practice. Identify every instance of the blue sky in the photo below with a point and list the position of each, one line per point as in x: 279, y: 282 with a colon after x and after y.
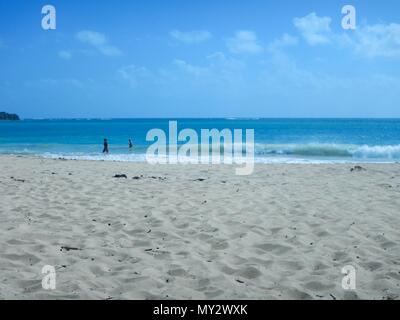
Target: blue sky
x: 221, y: 58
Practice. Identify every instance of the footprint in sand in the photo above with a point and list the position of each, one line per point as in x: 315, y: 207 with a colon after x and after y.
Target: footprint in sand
x: 372, y: 265
x: 219, y: 245
x: 249, y: 273
x: 318, y: 286
x: 274, y: 248
x: 25, y: 258
x: 292, y: 265
x: 177, y: 272
x: 213, y: 294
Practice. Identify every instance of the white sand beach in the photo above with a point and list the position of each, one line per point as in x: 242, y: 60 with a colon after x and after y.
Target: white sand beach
x: 197, y: 232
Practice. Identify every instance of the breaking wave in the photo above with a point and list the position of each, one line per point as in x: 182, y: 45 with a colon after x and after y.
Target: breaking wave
x: 330, y: 150
x: 264, y: 153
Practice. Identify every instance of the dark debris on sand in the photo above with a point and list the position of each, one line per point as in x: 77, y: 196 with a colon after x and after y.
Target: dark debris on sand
x: 357, y: 168
x: 152, y: 177
x: 139, y: 177
x: 121, y: 176
x: 66, y: 248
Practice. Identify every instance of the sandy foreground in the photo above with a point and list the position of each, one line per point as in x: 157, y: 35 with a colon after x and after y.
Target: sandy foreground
x: 284, y: 232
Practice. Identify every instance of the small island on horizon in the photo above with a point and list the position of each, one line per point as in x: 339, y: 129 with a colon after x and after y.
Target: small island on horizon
x: 9, y: 116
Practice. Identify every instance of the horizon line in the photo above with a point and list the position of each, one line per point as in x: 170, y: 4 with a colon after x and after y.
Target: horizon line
x: 212, y: 118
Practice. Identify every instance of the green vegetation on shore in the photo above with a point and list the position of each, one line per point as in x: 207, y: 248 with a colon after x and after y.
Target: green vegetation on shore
x: 8, y: 116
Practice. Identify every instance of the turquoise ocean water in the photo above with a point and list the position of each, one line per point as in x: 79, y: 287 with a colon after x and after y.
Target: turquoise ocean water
x: 276, y: 140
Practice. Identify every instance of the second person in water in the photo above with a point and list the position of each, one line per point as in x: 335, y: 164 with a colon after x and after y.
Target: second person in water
x: 105, y: 145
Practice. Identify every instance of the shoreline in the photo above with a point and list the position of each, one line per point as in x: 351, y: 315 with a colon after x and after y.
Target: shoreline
x: 197, y: 231
x: 257, y: 160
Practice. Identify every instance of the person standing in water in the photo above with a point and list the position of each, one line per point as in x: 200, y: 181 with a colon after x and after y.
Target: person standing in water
x: 130, y: 144
x: 105, y: 149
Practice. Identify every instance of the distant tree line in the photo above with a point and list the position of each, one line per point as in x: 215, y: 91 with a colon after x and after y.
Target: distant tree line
x: 8, y: 116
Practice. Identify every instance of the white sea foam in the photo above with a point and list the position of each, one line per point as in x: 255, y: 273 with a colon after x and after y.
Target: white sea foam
x: 264, y: 153
x: 98, y: 157
x: 390, y: 152
x: 187, y: 160
x: 387, y: 152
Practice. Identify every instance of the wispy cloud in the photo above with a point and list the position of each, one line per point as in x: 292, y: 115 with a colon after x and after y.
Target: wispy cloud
x: 99, y: 41
x: 218, y: 71
x: 244, y: 41
x: 315, y: 30
x: 64, y: 54
x: 380, y: 40
x: 192, y: 70
x: 285, y: 41
x: 135, y: 75
x: 191, y: 37
x: 371, y: 41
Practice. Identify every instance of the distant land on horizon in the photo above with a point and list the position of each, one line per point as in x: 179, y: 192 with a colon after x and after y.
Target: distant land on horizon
x: 208, y: 118
x: 8, y: 116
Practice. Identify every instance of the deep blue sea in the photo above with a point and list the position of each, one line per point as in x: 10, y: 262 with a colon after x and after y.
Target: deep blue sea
x: 276, y: 140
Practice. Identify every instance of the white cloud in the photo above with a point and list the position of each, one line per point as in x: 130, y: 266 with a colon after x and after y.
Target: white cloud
x: 315, y: 30
x: 135, y: 75
x: 219, y: 59
x: 98, y: 41
x: 378, y: 40
x: 91, y: 37
x: 285, y: 41
x: 110, y: 50
x: 244, y: 41
x: 63, y: 54
x: 222, y: 79
x: 218, y: 72
x: 192, y: 70
x: 191, y: 37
